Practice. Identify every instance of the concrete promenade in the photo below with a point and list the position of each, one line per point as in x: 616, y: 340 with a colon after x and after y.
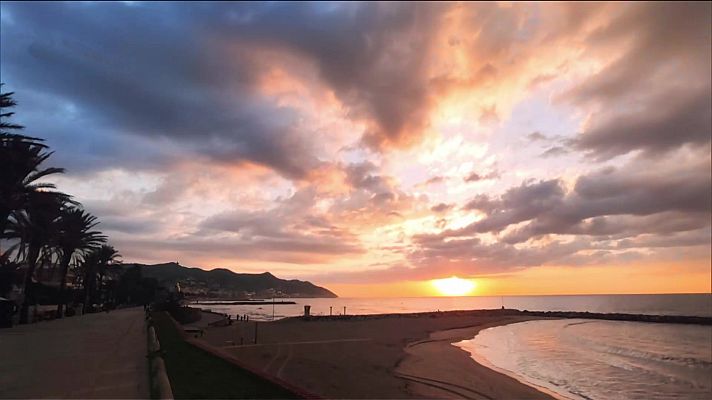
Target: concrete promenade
x: 99, y: 355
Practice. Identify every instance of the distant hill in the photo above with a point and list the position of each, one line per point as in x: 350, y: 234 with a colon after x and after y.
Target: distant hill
x: 223, y: 283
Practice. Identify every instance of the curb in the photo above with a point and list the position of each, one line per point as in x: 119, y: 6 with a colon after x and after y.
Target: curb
x: 160, y: 385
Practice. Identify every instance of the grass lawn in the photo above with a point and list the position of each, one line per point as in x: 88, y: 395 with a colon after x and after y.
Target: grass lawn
x: 196, y: 374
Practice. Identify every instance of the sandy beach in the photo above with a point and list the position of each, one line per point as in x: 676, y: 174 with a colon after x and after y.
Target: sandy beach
x: 388, y: 356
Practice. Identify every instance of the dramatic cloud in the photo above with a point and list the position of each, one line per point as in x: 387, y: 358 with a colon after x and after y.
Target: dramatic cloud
x: 679, y: 118
x: 376, y: 141
x: 140, y: 77
x: 604, y: 215
x: 291, y: 227
x: 549, y: 209
x: 655, y: 96
x: 374, y: 56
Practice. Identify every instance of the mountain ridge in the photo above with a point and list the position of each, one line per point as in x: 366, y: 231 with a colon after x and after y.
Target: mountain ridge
x: 222, y: 282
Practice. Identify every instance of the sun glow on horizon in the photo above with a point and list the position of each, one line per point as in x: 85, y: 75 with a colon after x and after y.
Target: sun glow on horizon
x: 454, y: 286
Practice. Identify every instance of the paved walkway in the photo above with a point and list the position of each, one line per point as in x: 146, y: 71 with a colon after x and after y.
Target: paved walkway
x: 93, y: 356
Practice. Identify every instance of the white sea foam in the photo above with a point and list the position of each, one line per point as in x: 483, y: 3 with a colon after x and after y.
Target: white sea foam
x: 589, y: 359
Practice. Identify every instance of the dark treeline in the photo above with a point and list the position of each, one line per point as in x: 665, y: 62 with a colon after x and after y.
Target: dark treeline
x: 50, y: 249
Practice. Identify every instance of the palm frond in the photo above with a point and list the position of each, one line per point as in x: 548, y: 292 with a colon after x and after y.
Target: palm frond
x: 40, y: 174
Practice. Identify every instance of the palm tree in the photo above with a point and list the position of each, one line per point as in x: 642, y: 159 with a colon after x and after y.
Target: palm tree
x: 75, y: 236
x: 108, y: 257
x: 96, y: 263
x: 88, y: 268
x: 6, y: 102
x: 36, y: 227
x: 20, y: 160
x: 20, y: 171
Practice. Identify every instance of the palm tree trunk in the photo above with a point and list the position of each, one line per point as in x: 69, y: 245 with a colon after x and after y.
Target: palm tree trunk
x: 32, y: 254
x: 64, y: 267
x: 4, y: 220
x: 89, y: 278
x: 101, y: 288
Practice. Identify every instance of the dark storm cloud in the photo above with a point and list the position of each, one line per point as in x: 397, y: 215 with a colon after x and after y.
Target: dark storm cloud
x: 667, y: 122
x: 656, y: 96
x: 374, y: 55
x: 475, y: 256
x: 615, y: 227
x: 597, y: 202
x: 518, y: 204
x: 166, y: 71
x: 613, y: 215
x: 145, y: 71
x: 148, y: 86
x: 431, y: 257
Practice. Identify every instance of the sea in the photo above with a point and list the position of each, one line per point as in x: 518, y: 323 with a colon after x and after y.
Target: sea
x: 589, y: 359
x: 569, y: 358
x: 654, y: 304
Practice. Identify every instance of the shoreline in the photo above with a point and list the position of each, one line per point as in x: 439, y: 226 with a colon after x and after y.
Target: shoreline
x: 479, y: 359
x: 408, y: 355
x: 538, y: 353
x: 482, y: 361
x: 374, y: 356
x: 437, y: 366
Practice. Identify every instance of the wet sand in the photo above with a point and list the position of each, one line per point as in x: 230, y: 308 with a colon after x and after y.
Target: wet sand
x: 389, y: 356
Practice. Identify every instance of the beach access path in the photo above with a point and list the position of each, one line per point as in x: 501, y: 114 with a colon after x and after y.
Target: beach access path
x: 100, y: 355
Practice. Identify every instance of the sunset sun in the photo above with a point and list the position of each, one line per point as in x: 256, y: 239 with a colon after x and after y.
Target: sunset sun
x: 454, y: 286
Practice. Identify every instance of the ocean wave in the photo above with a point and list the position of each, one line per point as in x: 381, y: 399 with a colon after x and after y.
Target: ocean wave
x: 600, y: 345
x: 584, y: 359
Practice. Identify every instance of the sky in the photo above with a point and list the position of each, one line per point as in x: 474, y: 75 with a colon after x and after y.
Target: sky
x: 533, y: 148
